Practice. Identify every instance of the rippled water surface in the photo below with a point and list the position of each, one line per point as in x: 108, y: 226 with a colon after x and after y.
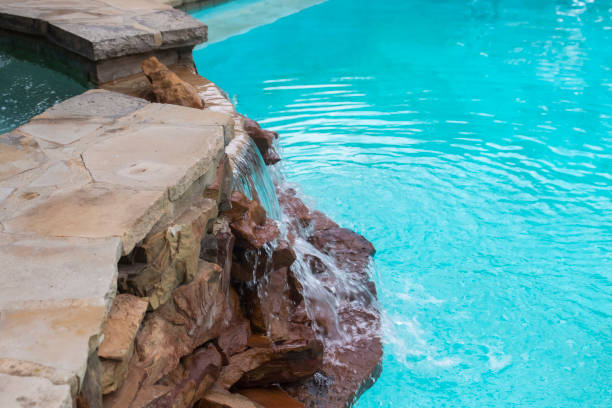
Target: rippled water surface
x: 471, y: 142
x: 28, y: 87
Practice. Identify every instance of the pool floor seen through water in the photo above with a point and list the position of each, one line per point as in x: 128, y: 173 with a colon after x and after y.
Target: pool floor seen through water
x: 471, y: 142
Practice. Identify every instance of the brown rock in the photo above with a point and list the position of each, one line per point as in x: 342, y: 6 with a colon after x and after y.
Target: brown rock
x: 242, y: 363
x: 220, y: 398
x: 264, y: 139
x: 171, y: 254
x: 315, y: 264
x: 235, y: 338
x: 294, y: 207
x: 252, y: 264
x: 196, y: 314
x: 355, y: 364
x: 218, y: 247
x: 221, y: 188
x: 283, y: 255
x: 271, y: 306
x: 190, y: 381
x: 350, y: 250
x: 322, y: 221
x: 271, y: 398
x: 353, y: 370
x: 249, y: 223
x: 149, y: 395
x: 90, y: 393
x: 117, y: 348
x: 122, y: 323
x: 124, y: 396
x: 289, y: 363
x: 168, y: 87
x: 259, y: 340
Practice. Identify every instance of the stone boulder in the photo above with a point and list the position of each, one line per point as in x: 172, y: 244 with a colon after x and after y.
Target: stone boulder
x: 168, y: 87
x: 234, y: 339
x: 169, y: 255
x: 221, y: 188
x: 196, y: 313
x: 250, y: 265
x: 271, y: 307
x: 297, y: 212
x: 218, y: 247
x: 117, y: 348
x: 348, y: 248
x: 186, y: 384
x: 249, y: 223
x: 288, y: 363
x: 264, y: 139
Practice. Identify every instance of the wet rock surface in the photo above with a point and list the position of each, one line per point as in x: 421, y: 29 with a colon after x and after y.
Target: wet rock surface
x: 264, y: 139
x: 352, y: 364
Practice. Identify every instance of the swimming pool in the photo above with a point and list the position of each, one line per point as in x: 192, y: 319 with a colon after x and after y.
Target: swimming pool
x: 28, y: 86
x: 471, y: 142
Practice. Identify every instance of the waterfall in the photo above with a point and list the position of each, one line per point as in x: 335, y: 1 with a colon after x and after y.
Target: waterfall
x: 250, y: 174
x: 335, y: 299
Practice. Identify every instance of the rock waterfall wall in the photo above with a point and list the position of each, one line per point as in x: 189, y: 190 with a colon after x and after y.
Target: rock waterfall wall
x: 257, y: 299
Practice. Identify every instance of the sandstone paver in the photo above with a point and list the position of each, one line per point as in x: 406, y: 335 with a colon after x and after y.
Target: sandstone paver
x: 32, y: 392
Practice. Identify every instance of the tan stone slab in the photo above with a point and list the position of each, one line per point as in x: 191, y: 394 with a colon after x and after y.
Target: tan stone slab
x: 121, y: 327
x: 51, y: 339
x: 156, y: 113
x: 61, y: 131
x: 55, y: 269
x: 156, y: 157
x: 69, y: 173
x: 93, y: 211
x: 32, y: 392
x: 120, y: 331
x: 18, y: 153
x: 96, y: 103
x: 33, y: 187
x: 5, y: 192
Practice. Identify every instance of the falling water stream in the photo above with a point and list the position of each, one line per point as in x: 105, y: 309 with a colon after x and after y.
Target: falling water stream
x: 341, y: 291
x: 250, y: 175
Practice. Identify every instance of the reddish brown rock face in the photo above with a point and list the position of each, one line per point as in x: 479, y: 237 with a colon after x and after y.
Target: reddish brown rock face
x: 264, y: 139
x: 235, y: 338
x: 353, y: 365
x: 249, y: 222
x: 117, y: 348
x: 350, y: 250
x: 197, y: 313
x: 294, y: 208
x: 289, y: 363
x: 168, y: 87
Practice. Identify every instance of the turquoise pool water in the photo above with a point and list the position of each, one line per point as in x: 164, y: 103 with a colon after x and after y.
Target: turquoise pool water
x: 28, y: 87
x: 471, y: 142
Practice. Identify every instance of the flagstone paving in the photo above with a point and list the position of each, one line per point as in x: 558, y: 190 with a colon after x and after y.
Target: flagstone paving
x: 80, y: 185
